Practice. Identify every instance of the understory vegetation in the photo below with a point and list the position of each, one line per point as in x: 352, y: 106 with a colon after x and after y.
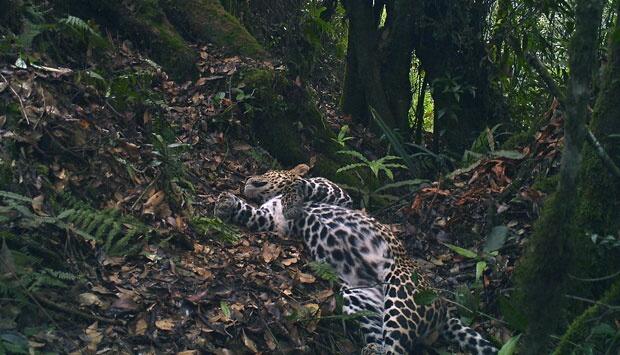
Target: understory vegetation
x: 486, y: 134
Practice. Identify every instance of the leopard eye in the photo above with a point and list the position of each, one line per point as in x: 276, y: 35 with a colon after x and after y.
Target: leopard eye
x: 258, y: 183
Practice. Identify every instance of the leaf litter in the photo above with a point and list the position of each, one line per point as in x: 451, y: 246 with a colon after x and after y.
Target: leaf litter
x: 189, y: 291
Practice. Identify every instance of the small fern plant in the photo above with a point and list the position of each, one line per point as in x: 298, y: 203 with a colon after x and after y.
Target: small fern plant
x: 115, y: 233
x: 208, y: 226
x: 385, y: 164
x: 82, y: 30
x: 373, y: 188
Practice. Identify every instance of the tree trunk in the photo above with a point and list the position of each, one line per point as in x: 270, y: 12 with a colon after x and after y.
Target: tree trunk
x: 465, y: 99
x: 145, y: 24
x: 207, y: 21
x: 379, y: 61
x: 363, y: 22
x: 543, y: 277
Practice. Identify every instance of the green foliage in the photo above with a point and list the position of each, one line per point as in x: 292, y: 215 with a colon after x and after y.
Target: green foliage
x: 173, y: 174
x: 420, y: 161
x: 342, y: 137
x: 324, y: 271
x: 208, y: 226
x: 368, y: 188
x: 108, y: 228
x: 384, y: 164
x: 425, y: 297
x: 486, y: 145
x: 510, y: 347
x: 84, y: 31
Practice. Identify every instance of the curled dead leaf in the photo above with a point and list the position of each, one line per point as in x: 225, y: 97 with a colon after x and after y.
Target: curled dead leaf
x: 305, y: 278
x: 165, y: 324
x: 89, y: 299
x: 249, y: 343
x: 141, y: 326
x: 289, y: 261
x: 37, y: 205
x: 94, y: 337
x: 270, y: 252
x: 153, y: 202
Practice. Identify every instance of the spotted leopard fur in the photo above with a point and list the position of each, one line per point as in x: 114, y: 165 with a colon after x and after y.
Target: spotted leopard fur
x: 271, y: 184
x: 376, y: 273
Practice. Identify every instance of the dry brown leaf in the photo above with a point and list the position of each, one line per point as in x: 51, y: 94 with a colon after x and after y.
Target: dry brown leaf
x: 141, y: 326
x: 153, y: 202
x: 89, y: 299
x: 37, y: 205
x: 305, y: 278
x: 289, y: 261
x: 249, y: 343
x: 165, y: 324
x: 188, y: 352
x: 270, y: 252
x: 270, y: 341
x: 125, y: 302
x: 94, y: 337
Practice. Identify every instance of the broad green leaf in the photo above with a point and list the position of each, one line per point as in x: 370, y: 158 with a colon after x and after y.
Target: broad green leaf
x: 353, y: 153
x: 509, y: 154
x: 511, y: 314
x: 462, y: 251
x: 395, y: 185
x: 350, y: 167
x: 14, y: 196
x: 510, y: 346
x: 425, y: 297
x: 225, y: 309
x: 496, y: 239
x: 480, y: 267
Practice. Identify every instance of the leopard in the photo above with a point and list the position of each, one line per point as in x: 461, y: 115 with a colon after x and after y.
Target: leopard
x: 377, y: 275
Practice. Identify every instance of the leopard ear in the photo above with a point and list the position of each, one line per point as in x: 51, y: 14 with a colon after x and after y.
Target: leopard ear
x: 300, y: 170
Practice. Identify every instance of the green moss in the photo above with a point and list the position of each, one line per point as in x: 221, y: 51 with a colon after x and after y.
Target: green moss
x: 546, y: 184
x: 581, y: 327
x: 208, y: 21
x: 283, y: 110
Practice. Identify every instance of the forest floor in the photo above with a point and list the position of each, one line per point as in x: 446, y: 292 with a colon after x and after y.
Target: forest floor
x: 196, y: 286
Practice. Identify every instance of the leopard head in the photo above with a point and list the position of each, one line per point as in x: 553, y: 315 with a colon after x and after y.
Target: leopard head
x: 272, y: 183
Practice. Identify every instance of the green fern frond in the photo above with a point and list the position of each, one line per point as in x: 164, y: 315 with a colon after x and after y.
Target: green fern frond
x: 350, y: 167
x: 324, y: 271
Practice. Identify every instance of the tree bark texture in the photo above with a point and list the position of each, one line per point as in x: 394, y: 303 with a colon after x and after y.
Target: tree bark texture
x: 543, y: 278
x: 447, y: 37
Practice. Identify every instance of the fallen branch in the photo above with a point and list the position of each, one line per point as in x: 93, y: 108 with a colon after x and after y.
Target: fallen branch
x: 75, y: 312
x: 21, y: 103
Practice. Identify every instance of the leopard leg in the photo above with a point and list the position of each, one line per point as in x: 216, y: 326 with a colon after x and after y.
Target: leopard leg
x: 231, y: 208
x: 467, y: 338
x: 369, y: 299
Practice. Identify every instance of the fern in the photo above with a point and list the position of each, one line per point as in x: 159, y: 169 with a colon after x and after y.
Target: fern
x: 82, y: 30
x: 394, y: 140
x: 324, y: 271
x: 107, y: 228
x: 209, y: 226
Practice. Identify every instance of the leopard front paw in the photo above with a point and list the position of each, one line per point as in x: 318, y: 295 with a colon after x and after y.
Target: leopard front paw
x: 225, y: 206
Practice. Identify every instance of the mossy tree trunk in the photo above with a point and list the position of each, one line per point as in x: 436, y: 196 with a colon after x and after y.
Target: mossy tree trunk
x: 145, y: 24
x: 285, y: 121
x: 551, y: 255
x: 208, y: 21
